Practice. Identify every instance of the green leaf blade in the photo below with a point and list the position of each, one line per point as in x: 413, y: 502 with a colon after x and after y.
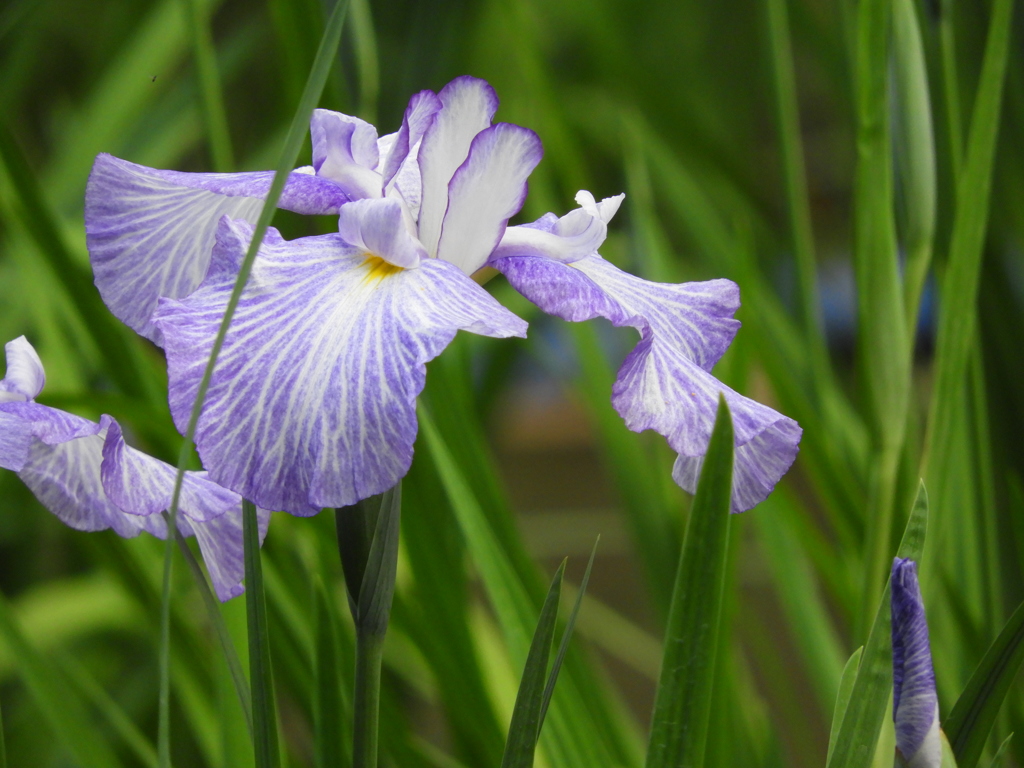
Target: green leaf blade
x: 682, y: 705
x: 260, y: 672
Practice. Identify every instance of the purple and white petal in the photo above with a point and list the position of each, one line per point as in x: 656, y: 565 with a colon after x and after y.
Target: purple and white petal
x: 150, y: 232
x: 141, y: 485
x: 485, y: 192
x: 378, y: 227
x: 220, y: 541
x: 665, y: 383
x: 345, y: 151
x: 25, y: 377
x: 915, y: 703
x: 419, y: 116
x: 15, y: 441
x: 468, y: 104
x: 312, y: 402
x: 577, y: 234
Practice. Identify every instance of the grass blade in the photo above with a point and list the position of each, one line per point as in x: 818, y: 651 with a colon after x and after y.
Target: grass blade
x: 524, y: 730
x: 872, y: 688
x: 198, y: 13
x: 970, y: 721
x: 220, y: 627
x: 260, y: 671
x: 843, y: 698
x: 3, y: 746
x: 960, y: 284
x: 683, y: 700
x: 329, y: 710
x: 163, y: 735
x: 63, y: 711
x: 996, y: 761
x: 563, y: 646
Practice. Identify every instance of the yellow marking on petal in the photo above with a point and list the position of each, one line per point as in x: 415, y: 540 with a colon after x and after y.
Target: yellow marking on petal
x: 378, y: 269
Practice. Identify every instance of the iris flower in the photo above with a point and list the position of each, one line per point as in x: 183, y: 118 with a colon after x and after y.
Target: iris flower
x: 312, y: 402
x: 915, y: 705
x: 91, y: 479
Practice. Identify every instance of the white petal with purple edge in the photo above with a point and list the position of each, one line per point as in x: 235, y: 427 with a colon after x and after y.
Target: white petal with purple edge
x: 566, y: 239
x: 345, y: 151
x: 485, y: 192
x: 378, y: 227
x: 150, y: 232
x: 25, y: 377
x: 665, y: 384
x: 468, y: 104
x: 312, y: 402
x: 141, y: 485
x: 419, y: 116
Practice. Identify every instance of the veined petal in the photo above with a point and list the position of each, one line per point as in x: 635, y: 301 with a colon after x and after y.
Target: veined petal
x: 15, y: 441
x: 468, y: 104
x: 485, y: 192
x: 378, y: 228
x: 150, y: 232
x: 665, y: 383
x: 220, y: 541
x: 345, y: 151
x: 25, y: 377
x: 312, y: 401
x: 419, y: 116
x: 141, y: 485
x: 577, y: 234
x: 915, y: 703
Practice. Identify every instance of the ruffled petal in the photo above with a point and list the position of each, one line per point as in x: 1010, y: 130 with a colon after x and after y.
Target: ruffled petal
x: 485, y: 192
x: 468, y: 104
x: 150, y: 232
x: 220, y: 541
x: 345, y: 151
x: 141, y: 485
x: 915, y: 702
x: 25, y: 377
x: 312, y: 402
x: 419, y: 116
x: 378, y: 228
x: 665, y: 382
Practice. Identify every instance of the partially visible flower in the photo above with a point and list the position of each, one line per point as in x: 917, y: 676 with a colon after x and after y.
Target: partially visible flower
x: 665, y: 383
x: 85, y: 473
x: 915, y: 705
x: 313, y: 400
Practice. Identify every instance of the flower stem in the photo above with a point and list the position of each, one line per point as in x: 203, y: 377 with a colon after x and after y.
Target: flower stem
x: 369, y: 654
x: 163, y: 738
x: 260, y: 672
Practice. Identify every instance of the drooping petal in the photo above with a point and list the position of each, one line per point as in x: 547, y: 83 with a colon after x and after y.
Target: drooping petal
x: 485, y: 192
x: 468, y: 104
x: 141, y: 485
x: 220, y: 541
x: 312, y: 402
x: 25, y: 377
x: 150, y: 232
x: 665, y: 383
x: 345, y: 151
x: 915, y: 703
x: 15, y: 441
x: 378, y: 228
x: 419, y: 116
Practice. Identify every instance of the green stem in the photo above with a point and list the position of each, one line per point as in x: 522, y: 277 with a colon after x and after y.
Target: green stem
x: 260, y: 672
x: 369, y: 655
x: 881, y: 502
x: 951, y: 88
x: 3, y: 748
x: 163, y: 739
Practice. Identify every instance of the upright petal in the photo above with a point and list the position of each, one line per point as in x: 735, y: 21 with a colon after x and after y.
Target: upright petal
x: 345, y: 151
x: 150, y: 232
x: 419, y: 116
x: 468, y: 104
x: 141, y: 485
x: 378, y: 228
x: 915, y: 705
x: 485, y: 192
x: 24, y: 378
x: 665, y: 383
x: 312, y: 401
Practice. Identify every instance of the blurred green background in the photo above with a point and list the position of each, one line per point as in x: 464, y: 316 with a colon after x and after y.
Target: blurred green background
x: 733, y: 129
